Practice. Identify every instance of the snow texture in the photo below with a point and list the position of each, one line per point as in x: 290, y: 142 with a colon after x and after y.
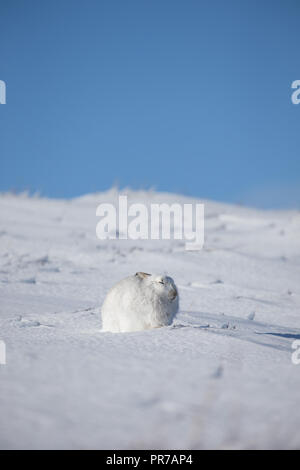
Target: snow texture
x: 220, y: 376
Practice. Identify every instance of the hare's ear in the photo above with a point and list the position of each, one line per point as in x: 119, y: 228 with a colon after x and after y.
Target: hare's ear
x: 142, y: 275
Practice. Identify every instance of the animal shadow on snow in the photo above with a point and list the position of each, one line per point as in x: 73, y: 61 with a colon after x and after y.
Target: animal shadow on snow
x: 268, y: 335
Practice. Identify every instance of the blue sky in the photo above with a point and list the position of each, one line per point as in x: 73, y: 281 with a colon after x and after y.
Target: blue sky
x: 184, y: 96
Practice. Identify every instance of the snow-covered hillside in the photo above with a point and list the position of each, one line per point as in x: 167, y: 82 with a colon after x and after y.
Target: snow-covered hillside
x: 220, y: 377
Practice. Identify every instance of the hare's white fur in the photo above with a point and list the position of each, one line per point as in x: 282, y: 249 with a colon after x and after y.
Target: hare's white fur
x: 140, y: 302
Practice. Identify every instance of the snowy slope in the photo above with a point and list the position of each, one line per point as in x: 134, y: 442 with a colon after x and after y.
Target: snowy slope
x: 220, y: 377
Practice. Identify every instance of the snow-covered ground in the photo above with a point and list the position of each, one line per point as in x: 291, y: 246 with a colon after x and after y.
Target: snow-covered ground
x: 220, y: 377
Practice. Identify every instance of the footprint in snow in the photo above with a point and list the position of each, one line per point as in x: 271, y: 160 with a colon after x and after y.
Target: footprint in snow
x: 30, y: 280
x: 23, y: 323
x: 251, y: 316
x: 29, y: 323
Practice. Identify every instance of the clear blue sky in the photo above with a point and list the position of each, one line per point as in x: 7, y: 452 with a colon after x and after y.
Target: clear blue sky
x: 183, y: 96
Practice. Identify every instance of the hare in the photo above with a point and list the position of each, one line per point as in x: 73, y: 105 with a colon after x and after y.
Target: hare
x: 140, y: 302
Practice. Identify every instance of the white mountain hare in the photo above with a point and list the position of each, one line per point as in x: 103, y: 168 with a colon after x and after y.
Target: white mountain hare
x: 140, y: 302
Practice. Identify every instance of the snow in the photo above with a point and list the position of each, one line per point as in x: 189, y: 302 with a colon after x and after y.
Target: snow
x: 221, y: 376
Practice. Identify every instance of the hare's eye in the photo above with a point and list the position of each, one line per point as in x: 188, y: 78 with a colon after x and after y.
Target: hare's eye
x: 161, y: 282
